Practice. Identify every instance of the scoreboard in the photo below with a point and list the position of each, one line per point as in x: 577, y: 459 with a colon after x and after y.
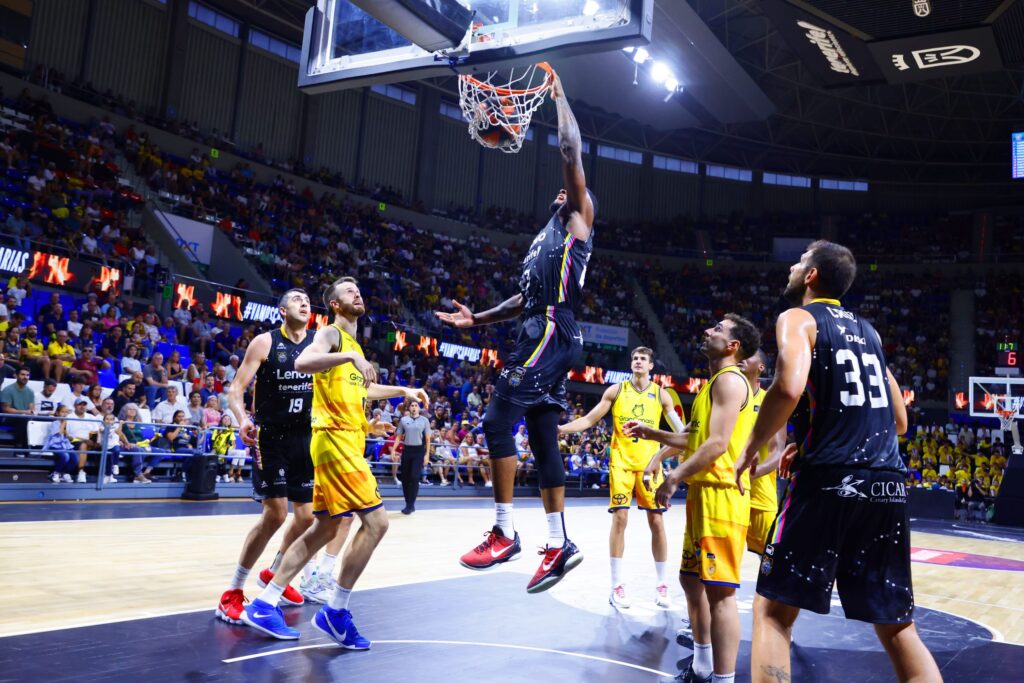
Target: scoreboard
x: 1008, y: 361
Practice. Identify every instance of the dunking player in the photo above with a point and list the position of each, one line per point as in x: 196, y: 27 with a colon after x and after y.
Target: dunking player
x: 532, y: 383
x: 844, y: 520
x: 282, y: 469
x: 717, y: 512
x: 637, y: 398
x: 342, y: 382
x: 764, y: 493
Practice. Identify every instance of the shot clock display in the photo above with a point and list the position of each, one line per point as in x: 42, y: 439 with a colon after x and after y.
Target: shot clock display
x: 1008, y: 354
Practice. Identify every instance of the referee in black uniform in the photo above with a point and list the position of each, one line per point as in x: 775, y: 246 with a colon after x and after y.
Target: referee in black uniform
x: 414, y: 432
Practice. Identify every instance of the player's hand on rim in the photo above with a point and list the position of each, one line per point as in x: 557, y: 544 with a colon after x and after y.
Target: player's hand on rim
x: 462, y: 317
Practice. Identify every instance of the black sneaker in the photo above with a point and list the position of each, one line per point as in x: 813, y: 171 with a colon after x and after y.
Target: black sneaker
x: 556, y: 564
x: 689, y: 676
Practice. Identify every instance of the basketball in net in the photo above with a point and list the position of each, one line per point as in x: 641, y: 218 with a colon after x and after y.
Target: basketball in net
x: 499, y: 107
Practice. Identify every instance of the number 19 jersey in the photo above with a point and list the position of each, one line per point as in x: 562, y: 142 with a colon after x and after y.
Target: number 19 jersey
x: 845, y: 417
x: 282, y: 396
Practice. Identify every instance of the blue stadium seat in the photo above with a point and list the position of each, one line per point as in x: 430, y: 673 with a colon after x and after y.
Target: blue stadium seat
x: 108, y: 378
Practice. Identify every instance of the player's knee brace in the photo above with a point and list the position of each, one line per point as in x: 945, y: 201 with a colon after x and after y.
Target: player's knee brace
x: 498, y: 432
x: 542, y: 427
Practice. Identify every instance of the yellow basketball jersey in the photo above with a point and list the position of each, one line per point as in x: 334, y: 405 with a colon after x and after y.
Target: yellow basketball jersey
x: 763, y: 490
x: 721, y: 472
x: 339, y: 397
x: 642, y: 406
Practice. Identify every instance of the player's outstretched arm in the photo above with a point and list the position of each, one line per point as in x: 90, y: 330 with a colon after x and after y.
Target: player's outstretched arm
x: 463, y: 317
x: 596, y: 413
x: 378, y: 391
x: 795, y: 332
x: 899, y: 407
x: 319, y: 356
x: 571, y: 146
x: 258, y: 350
x: 638, y: 430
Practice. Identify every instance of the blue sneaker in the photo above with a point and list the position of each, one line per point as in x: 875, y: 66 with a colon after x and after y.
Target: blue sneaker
x: 263, y: 617
x: 337, y: 625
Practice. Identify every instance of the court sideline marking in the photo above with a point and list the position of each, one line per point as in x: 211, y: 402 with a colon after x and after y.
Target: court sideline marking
x: 454, y: 642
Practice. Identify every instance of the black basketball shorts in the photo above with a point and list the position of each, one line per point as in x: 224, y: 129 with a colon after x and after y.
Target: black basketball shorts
x: 548, y: 347
x: 281, y: 464
x: 844, y: 527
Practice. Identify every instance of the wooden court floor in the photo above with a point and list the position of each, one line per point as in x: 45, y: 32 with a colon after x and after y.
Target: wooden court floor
x: 85, y: 572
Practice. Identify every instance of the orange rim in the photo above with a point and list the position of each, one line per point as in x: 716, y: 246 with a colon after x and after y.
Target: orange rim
x: 510, y: 92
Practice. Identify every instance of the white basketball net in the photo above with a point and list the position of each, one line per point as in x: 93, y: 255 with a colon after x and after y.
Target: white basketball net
x: 1008, y: 410
x: 499, y: 108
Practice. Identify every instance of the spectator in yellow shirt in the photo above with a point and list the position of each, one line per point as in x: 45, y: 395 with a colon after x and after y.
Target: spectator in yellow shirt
x: 62, y: 355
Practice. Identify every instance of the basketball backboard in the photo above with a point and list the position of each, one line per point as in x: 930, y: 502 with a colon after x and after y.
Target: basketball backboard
x: 344, y: 47
x: 983, y: 393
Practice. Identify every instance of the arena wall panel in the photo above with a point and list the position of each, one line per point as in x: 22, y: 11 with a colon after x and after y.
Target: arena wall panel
x: 672, y: 195
x: 270, y: 105
x: 58, y: 34
x: 508, y: 179
x: 128, y: 50
x: 787, y: 199
x: 726, y: 196
x: 211, y: 69
x: 457, y: 160
x: 617, y: 185
x: 389, y: 144
x: 332, y: 139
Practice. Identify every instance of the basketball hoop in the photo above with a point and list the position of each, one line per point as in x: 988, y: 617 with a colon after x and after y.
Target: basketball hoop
x: 1008, y: 409
x: 499, y: 108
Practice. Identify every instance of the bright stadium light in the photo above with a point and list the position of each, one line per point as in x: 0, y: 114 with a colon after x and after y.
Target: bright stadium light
x: 660, y: 72
x: 590, y: 8
x: 628, y: 50
x: 671, y: 84
x: 641, y: 55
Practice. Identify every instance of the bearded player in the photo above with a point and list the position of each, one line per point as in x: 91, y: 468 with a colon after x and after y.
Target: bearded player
x: 637, y: 398
x: 532, y: 383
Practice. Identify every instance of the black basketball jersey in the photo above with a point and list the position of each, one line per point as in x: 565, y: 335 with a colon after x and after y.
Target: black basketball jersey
x: 845, y: 417
x: 282, y: 395
x: 555, y: 267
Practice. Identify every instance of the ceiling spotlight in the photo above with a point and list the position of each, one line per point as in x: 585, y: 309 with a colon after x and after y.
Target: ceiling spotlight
x: 628, y: 50
x: 590, y: 8
x: 640, y: 56
x: 671, y: 84
x: 660, y: 72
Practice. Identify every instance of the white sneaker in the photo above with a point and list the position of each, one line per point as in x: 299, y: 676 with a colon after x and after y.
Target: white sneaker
x: 116, y: 470
x: 618, y: 598
x: 488, y: 484
x: 594, y: 486
x: 109, y: 480
x: 317, y: 589
x: 55, y: 478
x: 397, y: 483
x: 661, y: 597
x: 66, y: 478
x: 81, y: 477
x: 217, y: 479
x: 446, y: 483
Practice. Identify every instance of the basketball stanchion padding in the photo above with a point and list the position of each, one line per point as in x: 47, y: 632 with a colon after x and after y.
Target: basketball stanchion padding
x: 499, y: 107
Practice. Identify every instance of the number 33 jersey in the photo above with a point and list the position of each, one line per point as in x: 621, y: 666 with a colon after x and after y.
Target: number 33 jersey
x: 845, y: 416
x: 283, y: 396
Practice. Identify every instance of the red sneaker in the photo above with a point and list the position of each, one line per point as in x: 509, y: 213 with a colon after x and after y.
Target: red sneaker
x: 495, y: 549
x: 556, y: 564
x: 232, y: 603
x: 290, y: 597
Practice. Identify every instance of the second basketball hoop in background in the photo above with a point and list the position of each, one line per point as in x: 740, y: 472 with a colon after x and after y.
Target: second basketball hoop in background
x: 499, y: 107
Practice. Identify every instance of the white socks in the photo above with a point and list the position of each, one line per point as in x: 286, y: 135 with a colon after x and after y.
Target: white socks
x: 238, y: 580
x: 307, y: 571
x: 277, y: 563
x: 616, y: 563
x: 503, y: 519
x: 723, y: 678
x: 659, y: 569
x: 326, y: 568
x: 339, y: 598
x: 703, y: 665
x: 272, y: 594
x: 556, y: 529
